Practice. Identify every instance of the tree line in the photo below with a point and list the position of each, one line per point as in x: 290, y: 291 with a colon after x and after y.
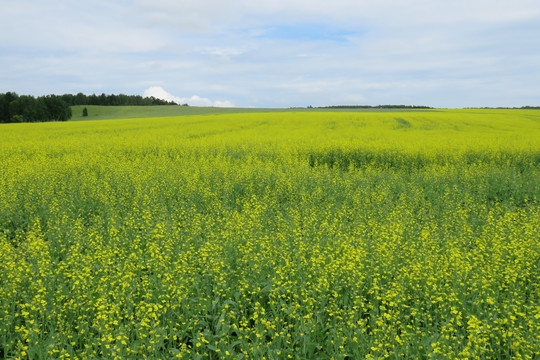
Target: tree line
x: 113, y: 100
x: 26, y: 108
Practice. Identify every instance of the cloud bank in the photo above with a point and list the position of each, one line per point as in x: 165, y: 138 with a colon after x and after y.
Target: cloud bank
x: 159, y: 93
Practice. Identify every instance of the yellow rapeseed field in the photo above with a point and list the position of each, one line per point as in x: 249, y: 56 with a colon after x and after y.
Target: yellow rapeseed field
x: 303, y: 235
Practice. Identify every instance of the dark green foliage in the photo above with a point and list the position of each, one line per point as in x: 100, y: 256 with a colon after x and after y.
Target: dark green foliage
x: 113, y: 100
x: 85, y: 112
x: 26, y: 108
x: 58, y: 110
x: 5, y: 100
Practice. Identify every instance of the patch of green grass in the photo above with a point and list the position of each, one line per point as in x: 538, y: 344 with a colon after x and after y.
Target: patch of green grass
x: 96, y: 112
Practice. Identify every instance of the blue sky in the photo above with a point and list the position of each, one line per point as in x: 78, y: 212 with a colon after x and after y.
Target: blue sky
x: 275, y: 53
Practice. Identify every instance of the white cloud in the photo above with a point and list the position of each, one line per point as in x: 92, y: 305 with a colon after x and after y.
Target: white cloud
x: 159, y: 93
x: 195, y: 100
x: 223, y: 52
x: 225, y: 103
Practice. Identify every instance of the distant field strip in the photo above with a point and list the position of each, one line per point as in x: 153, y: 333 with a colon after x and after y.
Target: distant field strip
x: 304, y: 235
x: 96, y: 112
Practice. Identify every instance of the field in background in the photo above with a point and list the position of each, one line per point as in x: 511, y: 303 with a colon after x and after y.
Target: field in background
x: 309, y: 235
x: 96, y: 112
x: 130, y: 112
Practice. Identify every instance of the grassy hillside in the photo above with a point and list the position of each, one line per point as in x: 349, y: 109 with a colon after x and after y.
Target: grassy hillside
x: 129, y: 112
x: 303, y: 235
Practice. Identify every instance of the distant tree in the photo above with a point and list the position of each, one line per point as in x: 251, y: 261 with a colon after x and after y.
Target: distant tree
x: 80, y: 99
x: 58, y: 110
x: 5, y: 101
x: 15, y: 108
x: 85, y: 112
x: 39, y: 111
x: 32, y: 109
x: 103, y: 100
x: 68, y: 99
x: 3, y: 108
x: 93, y: 100
x: 113, y: 100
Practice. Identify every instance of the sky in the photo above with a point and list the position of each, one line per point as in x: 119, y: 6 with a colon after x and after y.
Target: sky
x: 276, y: 53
